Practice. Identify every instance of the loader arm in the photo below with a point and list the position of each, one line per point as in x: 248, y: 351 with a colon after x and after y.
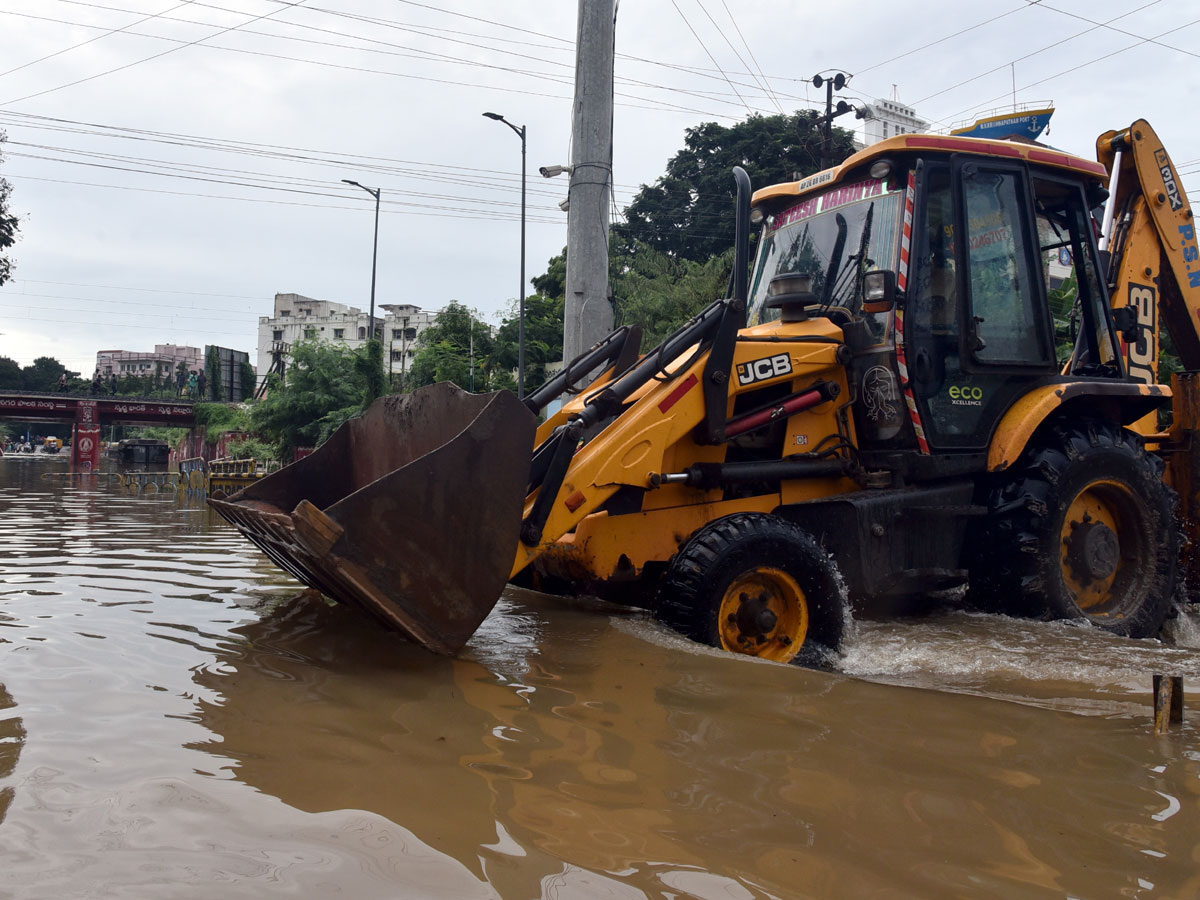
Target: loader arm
x: 1150, y: 235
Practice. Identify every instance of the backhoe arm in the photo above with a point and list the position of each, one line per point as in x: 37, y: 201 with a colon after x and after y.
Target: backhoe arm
x: 1155, y: 261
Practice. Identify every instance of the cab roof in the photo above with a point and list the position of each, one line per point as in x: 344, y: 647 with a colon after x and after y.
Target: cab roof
x: 932, y: 143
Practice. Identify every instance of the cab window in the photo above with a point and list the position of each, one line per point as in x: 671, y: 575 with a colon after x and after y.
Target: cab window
x: 1006, y: 325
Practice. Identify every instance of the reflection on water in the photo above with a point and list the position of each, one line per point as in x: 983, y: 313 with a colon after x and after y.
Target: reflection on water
x: 189, y: 722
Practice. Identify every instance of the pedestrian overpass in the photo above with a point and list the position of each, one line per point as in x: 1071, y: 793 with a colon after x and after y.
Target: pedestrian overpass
x: 88, y: 415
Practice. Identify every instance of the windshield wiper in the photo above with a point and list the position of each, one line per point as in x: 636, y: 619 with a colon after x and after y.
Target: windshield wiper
x: 854, y: 263
x: 835, y: 260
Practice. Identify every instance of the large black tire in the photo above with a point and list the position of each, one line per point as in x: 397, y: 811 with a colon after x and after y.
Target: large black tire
x: 1082, y: 527
x: 759, y: 585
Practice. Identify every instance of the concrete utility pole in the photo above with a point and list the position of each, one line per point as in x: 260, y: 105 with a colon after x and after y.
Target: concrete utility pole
x: 588, y: 316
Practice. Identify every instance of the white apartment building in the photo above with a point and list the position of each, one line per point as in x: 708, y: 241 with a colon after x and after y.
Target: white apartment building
x: 164, y: 359
x: 888, y: 118
x: 298, y: 318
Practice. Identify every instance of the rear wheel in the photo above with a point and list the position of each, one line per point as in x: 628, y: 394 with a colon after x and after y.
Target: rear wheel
x: 759, y: 585
x: 1084, y: 528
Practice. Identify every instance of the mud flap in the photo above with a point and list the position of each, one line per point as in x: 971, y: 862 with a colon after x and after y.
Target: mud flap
x: 410, y: 511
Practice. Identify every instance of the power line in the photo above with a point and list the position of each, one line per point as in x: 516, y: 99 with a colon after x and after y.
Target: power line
x: 710, y: 56
x: 1119, y: 30
x: 762, y: 78
x: 653, y: 104
x: 1035, y: 53
x: 172, y: 311
x: 942, y: 40
x: 120, y: 287
x: 285, y: 153
x: 92, y: 40
x: 290, y: 3
x: 431, y: 211
x: 1082, y: 65
x: 198, y: 171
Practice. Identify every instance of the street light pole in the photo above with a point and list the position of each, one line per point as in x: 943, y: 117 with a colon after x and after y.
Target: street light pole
x: 376, y: 193
x: 521, y: 302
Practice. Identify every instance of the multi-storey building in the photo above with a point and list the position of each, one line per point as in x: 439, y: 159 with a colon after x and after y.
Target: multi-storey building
x: 299, y: 318
x: 163, y: 361
x: 888, y: 118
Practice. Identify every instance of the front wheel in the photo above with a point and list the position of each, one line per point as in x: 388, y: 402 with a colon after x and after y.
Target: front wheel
x: 756, y: 584
x: 1083, y: 528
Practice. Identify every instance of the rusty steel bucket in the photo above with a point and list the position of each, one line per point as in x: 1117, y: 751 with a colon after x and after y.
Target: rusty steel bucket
x: 410, y: 511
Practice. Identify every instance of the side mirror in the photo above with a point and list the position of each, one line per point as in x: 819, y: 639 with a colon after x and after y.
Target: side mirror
x: 879, y: 291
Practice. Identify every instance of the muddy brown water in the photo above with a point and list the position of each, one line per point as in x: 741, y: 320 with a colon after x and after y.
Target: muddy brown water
x: 178, y: 720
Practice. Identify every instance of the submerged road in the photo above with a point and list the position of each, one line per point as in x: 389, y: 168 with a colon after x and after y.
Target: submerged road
x: 178, y: 719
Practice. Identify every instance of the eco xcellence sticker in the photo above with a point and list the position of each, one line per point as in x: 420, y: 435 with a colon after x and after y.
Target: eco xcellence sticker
x: 966, y: 395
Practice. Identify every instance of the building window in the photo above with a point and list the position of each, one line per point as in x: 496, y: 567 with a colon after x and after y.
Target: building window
x: 310, y: 333
x: 308, y: 312
x: 397, y: 356
x: 285, y: 312
x: 339, y: 333
x: 277, y: 334
x: 396, y: 334
x: 362, y: 333
x: 410, y: 334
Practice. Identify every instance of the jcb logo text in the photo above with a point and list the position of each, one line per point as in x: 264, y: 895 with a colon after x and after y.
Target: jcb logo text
x: 762, y: 369
x: 1143, y: 350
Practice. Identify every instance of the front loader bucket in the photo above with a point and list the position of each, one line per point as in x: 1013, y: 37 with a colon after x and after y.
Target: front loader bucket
x: 410, y: 511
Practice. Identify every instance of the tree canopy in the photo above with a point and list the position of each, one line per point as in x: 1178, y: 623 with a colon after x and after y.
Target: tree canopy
x: 543, y: 341
x: 8, y: 223
x: 689, y: 211
x: 457, y: 347
x: 324, y: 387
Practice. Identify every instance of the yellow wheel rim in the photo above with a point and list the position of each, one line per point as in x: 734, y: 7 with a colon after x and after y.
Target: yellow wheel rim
x: 1098, y: 545
x: 764, y: 613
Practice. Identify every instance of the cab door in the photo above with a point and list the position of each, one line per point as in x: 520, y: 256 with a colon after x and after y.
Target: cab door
x: 978, y: 330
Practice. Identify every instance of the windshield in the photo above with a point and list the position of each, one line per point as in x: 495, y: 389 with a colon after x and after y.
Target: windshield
x: 836, y: 237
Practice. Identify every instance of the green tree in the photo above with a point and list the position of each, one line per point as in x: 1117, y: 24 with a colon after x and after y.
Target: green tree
x: 212, y: 372
x: 553, y: 282
x: 661, y: 292
x: 543, y: 342
x: 369, y: 363
x: 456, y: 345
x: 246, y: 375
x: 8, y: 223
x: 689, y: 211
x: 43, y: 374
x: 324, y: 387
x: 10, y: 374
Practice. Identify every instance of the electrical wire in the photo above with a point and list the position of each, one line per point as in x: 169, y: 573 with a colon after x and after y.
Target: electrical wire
x: 1079, y: 66
x: 290, y: 4
x: 98, y: 37
x: 1033, y: 53
x: 710, y: 56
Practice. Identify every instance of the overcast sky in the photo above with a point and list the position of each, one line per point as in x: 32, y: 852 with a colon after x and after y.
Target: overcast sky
x: 176, y: 163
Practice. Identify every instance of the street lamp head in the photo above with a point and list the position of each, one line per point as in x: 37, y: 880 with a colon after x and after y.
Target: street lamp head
x: 348, y: 181
x: 496, y: 116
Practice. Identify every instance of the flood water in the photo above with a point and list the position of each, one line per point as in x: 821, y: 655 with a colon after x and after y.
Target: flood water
x: 179, y: 720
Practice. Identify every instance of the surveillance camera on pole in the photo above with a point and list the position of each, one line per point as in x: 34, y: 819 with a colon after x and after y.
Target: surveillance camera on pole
x: 554, y: 171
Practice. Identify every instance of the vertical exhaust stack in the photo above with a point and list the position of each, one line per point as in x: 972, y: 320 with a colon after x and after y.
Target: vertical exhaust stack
x: 410, y: 511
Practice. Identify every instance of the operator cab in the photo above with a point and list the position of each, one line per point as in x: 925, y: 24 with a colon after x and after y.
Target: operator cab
x: 963, y: 273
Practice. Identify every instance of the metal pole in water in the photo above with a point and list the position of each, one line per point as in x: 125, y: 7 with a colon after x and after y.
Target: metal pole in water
x: 1168, y: 702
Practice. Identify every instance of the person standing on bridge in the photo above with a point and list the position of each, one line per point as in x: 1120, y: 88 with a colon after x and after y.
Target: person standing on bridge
x: 180, y: 381
x: 62, y: 382
x: 97, y: 383
x: 201, y: 385
x: 191, y: 386
x: 112, y: 383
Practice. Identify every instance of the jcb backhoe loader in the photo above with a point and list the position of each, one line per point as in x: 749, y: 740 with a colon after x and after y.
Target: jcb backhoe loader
x: 931, y: 376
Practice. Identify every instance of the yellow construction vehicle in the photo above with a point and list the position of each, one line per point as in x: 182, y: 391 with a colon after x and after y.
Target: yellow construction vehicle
x: 931, y: 376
